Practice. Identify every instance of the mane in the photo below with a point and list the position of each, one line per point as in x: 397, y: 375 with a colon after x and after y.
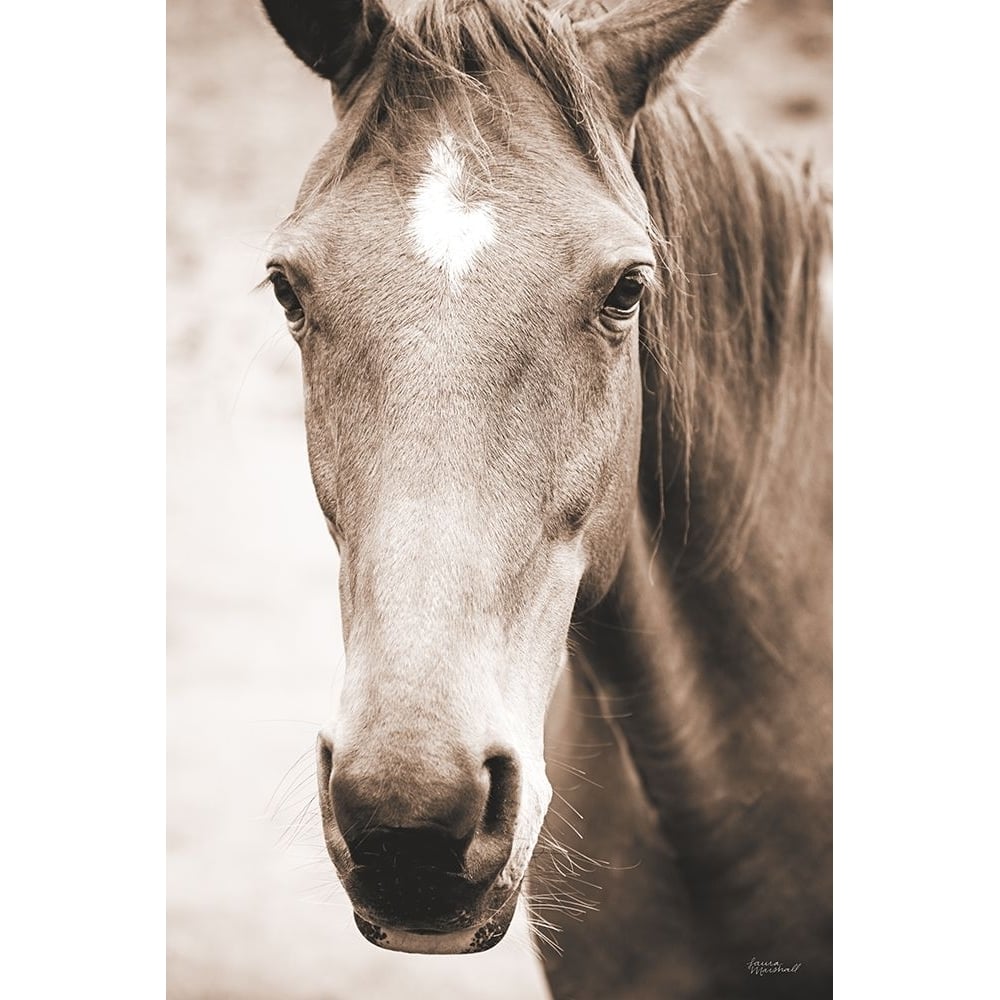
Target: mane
x: 733, y: 348
x: 736, y: 347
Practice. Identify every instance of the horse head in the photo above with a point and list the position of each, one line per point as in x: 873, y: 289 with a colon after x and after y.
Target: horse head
x: 464, y: 273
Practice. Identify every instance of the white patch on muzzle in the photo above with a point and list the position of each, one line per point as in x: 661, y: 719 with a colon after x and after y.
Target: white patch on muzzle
x: 448, y: 232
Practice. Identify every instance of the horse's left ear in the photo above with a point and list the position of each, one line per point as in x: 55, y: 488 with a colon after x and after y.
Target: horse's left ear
x: 334, y: 38
x: 632, y: 45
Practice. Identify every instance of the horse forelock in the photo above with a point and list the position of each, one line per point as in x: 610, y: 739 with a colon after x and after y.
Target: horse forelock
x: 459, y: 60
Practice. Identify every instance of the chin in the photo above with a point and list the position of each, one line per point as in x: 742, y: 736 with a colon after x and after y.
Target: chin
x: 479, y: 936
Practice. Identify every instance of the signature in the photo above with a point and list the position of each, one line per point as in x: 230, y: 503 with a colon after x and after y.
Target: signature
x: 765, y: 967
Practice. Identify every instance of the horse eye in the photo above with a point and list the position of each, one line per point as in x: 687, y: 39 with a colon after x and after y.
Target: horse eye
x: 288, y: 301
x: 623, y: 302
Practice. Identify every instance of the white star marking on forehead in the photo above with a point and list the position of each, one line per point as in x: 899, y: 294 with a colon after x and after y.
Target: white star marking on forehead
x: 448, y: 232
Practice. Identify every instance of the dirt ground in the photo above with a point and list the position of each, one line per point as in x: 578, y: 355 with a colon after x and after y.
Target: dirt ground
x: 253, y: 909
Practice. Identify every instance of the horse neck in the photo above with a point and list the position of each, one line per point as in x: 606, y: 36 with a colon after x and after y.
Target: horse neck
x: 717, y: 691
x: 719, y: 681
x: 714, y: 641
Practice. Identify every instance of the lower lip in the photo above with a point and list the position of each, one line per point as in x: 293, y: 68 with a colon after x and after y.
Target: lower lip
x: 467, y: 942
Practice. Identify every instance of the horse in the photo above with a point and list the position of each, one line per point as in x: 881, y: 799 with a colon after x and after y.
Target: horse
x: 567, y: 381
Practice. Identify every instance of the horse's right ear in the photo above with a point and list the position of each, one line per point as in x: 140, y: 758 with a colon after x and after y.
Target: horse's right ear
x: 634, y: 43
x: 334, y: 38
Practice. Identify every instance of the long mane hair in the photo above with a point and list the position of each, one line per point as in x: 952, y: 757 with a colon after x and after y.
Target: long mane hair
x: 736, y: 338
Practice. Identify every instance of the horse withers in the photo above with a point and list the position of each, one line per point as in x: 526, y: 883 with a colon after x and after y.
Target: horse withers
x: 567, y: 411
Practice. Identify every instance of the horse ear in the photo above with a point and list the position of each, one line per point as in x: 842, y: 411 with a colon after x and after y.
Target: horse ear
x: 334, y: 38
x: 633, y: 44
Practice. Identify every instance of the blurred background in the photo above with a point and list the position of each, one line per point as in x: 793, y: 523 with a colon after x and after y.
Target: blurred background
x: 253, y: 631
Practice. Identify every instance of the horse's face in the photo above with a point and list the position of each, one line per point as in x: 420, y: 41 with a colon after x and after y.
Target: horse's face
x: 467, y: 312
x: 469, y: 345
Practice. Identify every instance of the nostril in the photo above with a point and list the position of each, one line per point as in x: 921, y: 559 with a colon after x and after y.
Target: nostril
x: 324, y: 766
x: 324, y: 754
x: 491, y: 846
x: 500, y: 814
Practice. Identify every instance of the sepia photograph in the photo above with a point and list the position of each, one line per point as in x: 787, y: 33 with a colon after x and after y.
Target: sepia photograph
x: 499, y: 499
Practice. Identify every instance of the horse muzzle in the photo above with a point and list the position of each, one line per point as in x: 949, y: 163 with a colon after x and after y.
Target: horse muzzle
x: 424, y: 856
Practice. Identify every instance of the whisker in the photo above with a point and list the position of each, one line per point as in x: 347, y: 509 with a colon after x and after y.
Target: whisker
x: 297, y: 763
x: 273, y: 339
x: 559, y: 815
x: 299, y: 785
x: 569, y: 804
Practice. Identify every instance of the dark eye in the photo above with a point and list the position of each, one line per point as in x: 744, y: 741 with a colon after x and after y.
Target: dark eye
x: 288, y: 301
x: 623, y: 302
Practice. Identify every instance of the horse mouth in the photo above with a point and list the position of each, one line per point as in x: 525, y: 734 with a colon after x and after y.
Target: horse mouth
x: 422, y: 941
x: 414, y: 892
x: 436, y: 926
x: 436, y: 913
